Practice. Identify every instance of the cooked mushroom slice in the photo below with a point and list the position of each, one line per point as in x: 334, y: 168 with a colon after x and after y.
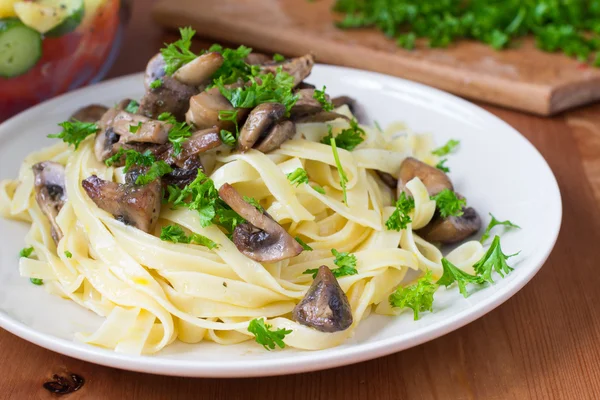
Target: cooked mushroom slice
x: 184, y: 175
x: 260, y: 120
x: 171, y: 96
x: 353, y: 105
x: 279, y: 134
x: 304, y: 85
x: 257, y: 59
x: 325, y: 306
x: 434, y: 180
x: 204, y: 110
x: 91, y: 113
x: 200, y: 142
x: 50, y: 192
x: 452, y: 229
x: 140, y: 129
x: 321, y: 116
x: 261, y: 238
x: 131, y: 204
x: 103, y: 145
x: 200, y: 69
x: 388, y: 179
x: 306, y: 104
x: 154, y: 70
x: 299, y: 68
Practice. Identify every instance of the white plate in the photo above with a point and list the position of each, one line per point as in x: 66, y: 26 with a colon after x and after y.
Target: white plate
x: 497, y: 169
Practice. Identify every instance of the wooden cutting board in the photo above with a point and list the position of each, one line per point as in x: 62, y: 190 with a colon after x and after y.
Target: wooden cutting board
x: 525, y: 79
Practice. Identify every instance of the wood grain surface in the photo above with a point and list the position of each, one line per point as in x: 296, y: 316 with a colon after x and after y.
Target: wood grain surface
x: 522, y: 78
x: 543, y: 343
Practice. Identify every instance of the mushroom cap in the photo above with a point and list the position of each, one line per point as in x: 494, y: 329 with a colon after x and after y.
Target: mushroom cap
x: 200, y: 142
x: 452, y: 229
x: 306, y: 104
x: 171, y: 96
x: 325, y: 306
x: 278, y: 134
x: 200, y: 69
x: 299, y: 68
x: 155, y: 69
x: 261, y: 238
x: 185, y: 175
x: 148, y: 131
x: 260, y: 120
x: 434, y: 180
x: 91, y: 113
x: 257, y: 59
x: 320, y: 116
x: 50, y: 192
x: 204, y: 110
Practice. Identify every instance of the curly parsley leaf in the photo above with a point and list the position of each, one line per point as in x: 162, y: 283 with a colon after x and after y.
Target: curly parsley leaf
x: 449, y: 204
x: 265, y: 336
x: 156, y: 170
x: 446, y: 149
x: 493, y: 260
x: 253, y: 202
x: 155, y: 84
x: 345, y: 261
x: 176, y: 234
x: 75, y: 132
x: 400, y: 219
x: 132, y: 107
x: 234, y: 66
x: 418, y: 297
x: 178, y: 53
x: 453, y: 274
x: 132, y: 158
x: 348, y: 138
x: 179, y: 132
x: 321, y: 97
x: 495, y: 222
x: 340, y: 169
x: 303, y: 244
x: 26, y: 252
x: 298, y: 177
x: 442, y: 165
x: 227, y: 137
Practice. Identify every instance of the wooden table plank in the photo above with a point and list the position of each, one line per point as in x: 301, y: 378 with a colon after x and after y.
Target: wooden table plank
x: 540, y: 344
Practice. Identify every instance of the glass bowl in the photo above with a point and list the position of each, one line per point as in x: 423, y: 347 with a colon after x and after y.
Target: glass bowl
x: 48, y: 47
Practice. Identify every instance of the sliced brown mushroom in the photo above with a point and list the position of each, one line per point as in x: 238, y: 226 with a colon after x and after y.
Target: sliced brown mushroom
x: 91, y: 113
x: 204, y: 110
x: 185, y: 174
x: 154, y: 70
x: 258, y: 59
x: 171, y: 96
x: 260, y: 120
x: 299, y: 68
x: 280, y: 133
x: 129, y: 203
x: 200, y: 142
x: 321, y: 116
x: 353, y: 105
x: 434, y: 180
x: 325, y: 306
x: 50, y: 192
x: 306, y: 104
x: 304, y: 85
x: 200, y: 69
x: 261, y: 238
x: 140, y: 129
x: 452, y: 229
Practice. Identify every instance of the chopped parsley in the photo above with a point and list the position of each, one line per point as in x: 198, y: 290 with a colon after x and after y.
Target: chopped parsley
x: 400, y: 219
x: 449, y: 204
x: 68, y: 254
x: 278, y: 57
x: 321, y: 97
x: 348, y: 138
x: 493, y: 223
x: 26, y: 252
x: 74, y: 132
x: 178, y: 53
x: 265, y: 336
x: 298, y: 177
x: 253, y: 202
x: 493, y: 260
x: 303, y: 244
x: 179, y: 132
x: 234, y: 67
x: 156, y: 170
x: 454, y: 274
x: 155, y: 84
x: 318, y: 189
x: 406, y: 41
x: 341, y: 173
x: 36, y: 281
x: 146, y: 159
x: 442, y: 165
x: 175, y: 234
x: 345, y: 261
x: 446, y: 149
x: 418, y: 296
x: 229, y: 138
x: 135, y: 128
x: 132, y: 107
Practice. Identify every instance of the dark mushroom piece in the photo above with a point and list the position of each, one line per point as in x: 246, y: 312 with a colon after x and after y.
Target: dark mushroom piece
x: 129, y: 203
x: 299, y: 68
x: 325, y: 306
x: 321, y: 116
x: 258, y: 59
x: 452, y: 229
x: 106, y: 138
x: 280, y: 133
x: 304, y: 85
x: 200, y: 69
x: 260, y: 120
x: 204, y: 110
x: 140, y: 129
x: 434, y: 180
x: 185, y: 174
x: 91, y: 113
x: 171, y: 96
x: 306, y: 104
x: 50, y: 192
x: 200, y: 142
x: 353, y: 105
x: 154, y: 70
x: 261, y: 238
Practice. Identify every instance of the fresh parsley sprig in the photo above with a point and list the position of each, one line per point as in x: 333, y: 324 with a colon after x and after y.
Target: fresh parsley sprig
x: 493, y: 260
x: 75, y: 132
x: 446, y: 149
x: 495, y: 222
x: 146, y: 159
x: 400, y: 219
x: 418, y: 296
x: 454, y: 274
x: 234, y: 67
x: 156, y: 170
x: 298, y: 177
x: 26, y: 252
x: 175, y: 234
x: 265, y: 336
x: 449, y: 204
x: 178, y: 53
x: 345, y: 261
x: 179, y: 132
x: 321, y: 97
x: 348, y: 138
x: 228, y: 137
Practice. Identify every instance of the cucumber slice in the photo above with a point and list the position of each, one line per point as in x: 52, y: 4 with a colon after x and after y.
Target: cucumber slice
x: 20, y: 48
x: 77, y: 10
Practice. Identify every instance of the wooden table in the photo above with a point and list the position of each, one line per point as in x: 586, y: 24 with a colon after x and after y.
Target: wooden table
x: 543, y: 343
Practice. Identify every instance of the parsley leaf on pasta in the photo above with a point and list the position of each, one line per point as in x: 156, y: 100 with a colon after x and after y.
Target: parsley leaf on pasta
x: 345, y: 261
x: 453, y: 274
x: 493, y: 260
x: 348, y: 138
x: 265, y: 336
x: 175, y: 234
x: 495, y: 222
x: 449, y: 204
x: 321, y: 97
x: 75, y: 132
x: 298, y: 177
x: 26, y: 252
x: 418, y: 296
x: 400, y: 219
x: 446, y: 149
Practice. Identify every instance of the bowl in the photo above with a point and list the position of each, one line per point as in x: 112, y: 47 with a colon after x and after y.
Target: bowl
x: 48, y: 47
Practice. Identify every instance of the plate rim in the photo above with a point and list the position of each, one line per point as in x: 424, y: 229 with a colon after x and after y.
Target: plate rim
x: 308, y: 361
